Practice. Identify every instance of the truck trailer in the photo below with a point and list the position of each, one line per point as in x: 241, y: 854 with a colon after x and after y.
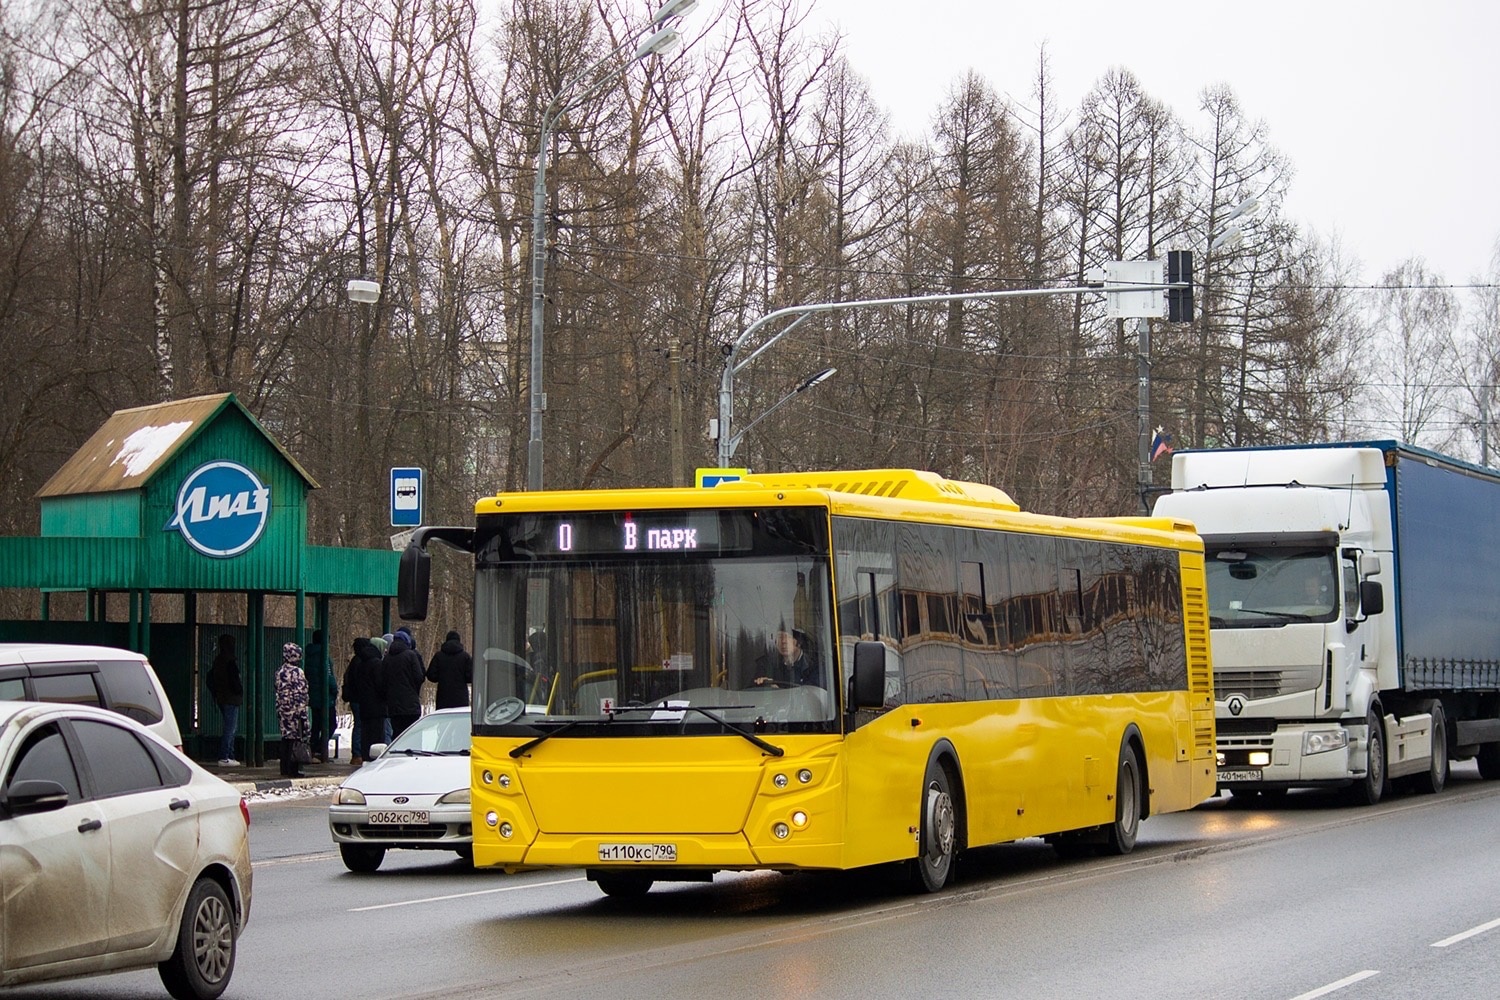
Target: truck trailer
x: 1354, y: 600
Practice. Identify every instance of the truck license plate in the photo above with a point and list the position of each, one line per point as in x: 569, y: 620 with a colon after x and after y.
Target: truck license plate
x: 1229, y: 776
x: 637, y: 852
x: 398, y: 817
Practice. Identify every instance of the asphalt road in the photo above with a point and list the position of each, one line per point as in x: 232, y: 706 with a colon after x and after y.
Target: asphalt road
x: 1230, y: 900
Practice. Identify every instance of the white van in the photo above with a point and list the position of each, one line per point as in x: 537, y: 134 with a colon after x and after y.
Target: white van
x: 116, y: 679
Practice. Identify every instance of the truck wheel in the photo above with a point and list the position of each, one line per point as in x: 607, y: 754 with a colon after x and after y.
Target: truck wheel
x: 1437, y: 770
x: 1489, y: 761
x: 1119, y: 836
x: 1371, y: 788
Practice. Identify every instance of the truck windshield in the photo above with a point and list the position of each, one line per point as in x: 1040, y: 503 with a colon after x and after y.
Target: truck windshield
x: 1250, y: 587
x: 578, y: 618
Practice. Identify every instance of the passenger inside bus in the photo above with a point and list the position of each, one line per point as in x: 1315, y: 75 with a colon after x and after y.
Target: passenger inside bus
x: 792, y: 661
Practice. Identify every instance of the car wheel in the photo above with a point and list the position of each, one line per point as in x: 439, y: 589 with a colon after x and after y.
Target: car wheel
x: 199, y: 966
x: 466, y: 853
x: 360, y: 858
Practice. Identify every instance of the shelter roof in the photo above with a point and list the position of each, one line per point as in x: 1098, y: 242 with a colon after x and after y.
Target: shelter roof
x: 133, y: 445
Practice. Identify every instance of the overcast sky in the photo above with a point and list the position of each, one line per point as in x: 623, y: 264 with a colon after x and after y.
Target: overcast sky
x: 1388, y: 111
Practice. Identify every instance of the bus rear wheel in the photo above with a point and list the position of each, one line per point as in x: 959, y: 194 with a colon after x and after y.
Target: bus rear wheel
x: 623, y: 885
x: 939, y: 830
x: 1119, y: 836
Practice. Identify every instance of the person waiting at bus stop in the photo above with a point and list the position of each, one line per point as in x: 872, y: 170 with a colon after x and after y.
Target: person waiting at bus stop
x: 791, y: 662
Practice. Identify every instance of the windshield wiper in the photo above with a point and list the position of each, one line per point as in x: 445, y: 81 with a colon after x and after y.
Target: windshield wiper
x: 1294, y: 616
x: 770, y: 748
x: 415, y: 752
x: 521, y: 750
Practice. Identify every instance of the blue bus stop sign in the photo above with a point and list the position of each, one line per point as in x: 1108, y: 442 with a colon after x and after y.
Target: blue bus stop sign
x: 407, y: 495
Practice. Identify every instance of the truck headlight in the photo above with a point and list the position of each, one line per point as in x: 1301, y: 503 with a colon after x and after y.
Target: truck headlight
x: 1324, y: 740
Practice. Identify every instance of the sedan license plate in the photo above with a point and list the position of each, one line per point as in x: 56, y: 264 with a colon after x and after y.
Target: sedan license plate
x: 1248, y: 775
x: 637, y: 852
x: 398, y: 817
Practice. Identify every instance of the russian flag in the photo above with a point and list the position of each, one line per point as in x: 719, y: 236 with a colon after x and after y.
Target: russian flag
x: 1160, y: 445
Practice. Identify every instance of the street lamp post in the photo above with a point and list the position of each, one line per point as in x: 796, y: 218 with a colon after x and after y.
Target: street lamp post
x: 660, y: 40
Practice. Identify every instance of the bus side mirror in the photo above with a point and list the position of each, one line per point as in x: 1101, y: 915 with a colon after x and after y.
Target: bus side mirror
x: 412, y: 583
x: 1371, y: 597
x: 868, y: 686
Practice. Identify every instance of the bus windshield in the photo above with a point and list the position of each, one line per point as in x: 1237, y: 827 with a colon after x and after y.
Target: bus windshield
x: 617, y: 624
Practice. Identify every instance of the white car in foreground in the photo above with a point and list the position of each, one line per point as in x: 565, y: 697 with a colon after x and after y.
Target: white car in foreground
x: 116, y: 852
x: 413, y: 794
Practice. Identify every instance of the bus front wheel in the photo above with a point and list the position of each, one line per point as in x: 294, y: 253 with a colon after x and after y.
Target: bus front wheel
x: 939, y: 830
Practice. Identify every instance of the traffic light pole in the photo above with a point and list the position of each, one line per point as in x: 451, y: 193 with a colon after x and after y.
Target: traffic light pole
x: 728, y: 441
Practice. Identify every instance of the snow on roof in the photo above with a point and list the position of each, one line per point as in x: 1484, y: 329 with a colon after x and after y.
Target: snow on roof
x: 144, y: 446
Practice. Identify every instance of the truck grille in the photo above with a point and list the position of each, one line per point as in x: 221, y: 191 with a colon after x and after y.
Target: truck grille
x: 1257, y: 684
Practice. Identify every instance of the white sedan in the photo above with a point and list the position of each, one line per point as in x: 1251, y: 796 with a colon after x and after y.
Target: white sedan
x: 414, y: 794
x: 116, y: 852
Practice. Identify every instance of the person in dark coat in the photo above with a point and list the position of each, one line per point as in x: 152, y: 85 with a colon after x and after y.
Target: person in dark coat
x: 322, y: 693
x: 402, y: 673
x: 452, y: 670
x: 369, y: 689
x: 228, y: 692
x: 361, y: 665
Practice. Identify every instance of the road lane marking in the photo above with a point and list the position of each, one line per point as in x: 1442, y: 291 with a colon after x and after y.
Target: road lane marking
x: 1323, y: 991
x: 464, y: 895
x: 1445, y: 942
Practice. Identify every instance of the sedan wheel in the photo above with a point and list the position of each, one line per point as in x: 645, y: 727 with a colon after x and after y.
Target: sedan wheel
x: 362, y: 859
x: 200, y: 966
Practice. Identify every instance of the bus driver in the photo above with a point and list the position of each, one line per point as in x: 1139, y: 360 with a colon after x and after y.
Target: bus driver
x: 790, y: 663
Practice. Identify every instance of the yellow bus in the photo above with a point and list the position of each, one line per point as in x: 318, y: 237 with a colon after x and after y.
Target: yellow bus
x: 822, y: 671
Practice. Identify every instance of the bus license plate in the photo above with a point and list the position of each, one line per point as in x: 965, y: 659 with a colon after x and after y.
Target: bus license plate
x: 1228, y: 776
x: 398, y: 817
x: 637, y: 852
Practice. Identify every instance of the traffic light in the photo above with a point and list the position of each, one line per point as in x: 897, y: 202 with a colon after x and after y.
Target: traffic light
x: 1180, y: 300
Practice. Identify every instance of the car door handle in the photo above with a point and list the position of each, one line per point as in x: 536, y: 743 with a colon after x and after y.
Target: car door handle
x: 90, y: 824
x: 180, y: 804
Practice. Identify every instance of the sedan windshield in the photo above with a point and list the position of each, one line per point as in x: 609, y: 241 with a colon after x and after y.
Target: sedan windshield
x: 436, y: 733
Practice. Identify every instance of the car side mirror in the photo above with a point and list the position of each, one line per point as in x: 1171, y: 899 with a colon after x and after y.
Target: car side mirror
x: 34, y: 795
x: 376, y: 749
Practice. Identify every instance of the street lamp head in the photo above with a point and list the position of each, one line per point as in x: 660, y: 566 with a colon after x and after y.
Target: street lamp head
x: 1228, y: 239
x: 663, y: 41
x: 817, y: 379
x: 361, y: 290
x: 1247, y: 207
x: 673, y: 8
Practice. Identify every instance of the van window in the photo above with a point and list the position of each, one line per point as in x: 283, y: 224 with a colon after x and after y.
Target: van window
x: 13, y: 689
x: 131, y: 692
x: 68, y: 689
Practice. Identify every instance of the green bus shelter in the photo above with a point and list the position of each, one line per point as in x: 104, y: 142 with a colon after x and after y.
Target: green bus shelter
x: 188, y: 497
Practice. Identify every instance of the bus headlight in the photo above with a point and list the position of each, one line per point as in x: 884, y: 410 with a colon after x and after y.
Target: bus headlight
x: 1259, y: 758
x: 782, y: 831
x: 1324, y: 740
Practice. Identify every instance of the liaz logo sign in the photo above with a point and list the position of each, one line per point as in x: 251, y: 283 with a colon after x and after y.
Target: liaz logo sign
x: 221, y: 509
